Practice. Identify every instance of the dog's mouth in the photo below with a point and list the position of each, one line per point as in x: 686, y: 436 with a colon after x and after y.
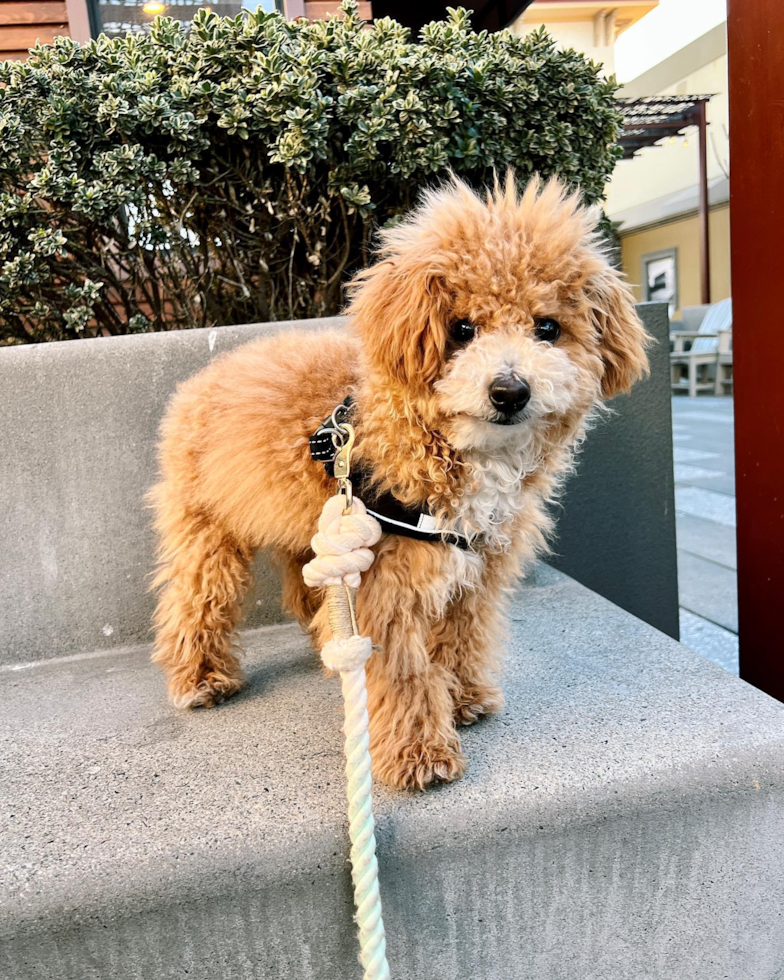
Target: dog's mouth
x: 496, y: 419
x: 515, y: 419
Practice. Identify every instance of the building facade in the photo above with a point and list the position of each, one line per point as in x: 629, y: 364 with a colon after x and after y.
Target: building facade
x: 584, y: 25
x: 654, y: 197
x: 24, y: 23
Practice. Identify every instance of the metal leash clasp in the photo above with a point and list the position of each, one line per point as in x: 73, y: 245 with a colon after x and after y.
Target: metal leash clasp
x: 342, y: 462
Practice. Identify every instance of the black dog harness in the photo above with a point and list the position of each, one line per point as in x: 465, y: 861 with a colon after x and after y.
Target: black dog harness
x: 393, y: 516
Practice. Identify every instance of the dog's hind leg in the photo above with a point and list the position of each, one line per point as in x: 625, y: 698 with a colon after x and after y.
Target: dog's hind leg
x: 297, y: 598
x: 203, y: 574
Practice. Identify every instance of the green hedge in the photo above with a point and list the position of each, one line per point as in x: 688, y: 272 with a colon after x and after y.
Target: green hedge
x: 235, y: 171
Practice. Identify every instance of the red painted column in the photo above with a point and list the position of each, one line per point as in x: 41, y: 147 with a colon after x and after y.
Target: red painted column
x: 756, y: 88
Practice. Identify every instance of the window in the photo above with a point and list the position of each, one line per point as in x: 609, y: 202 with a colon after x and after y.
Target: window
x: 119, y: 17
x: 660, y: 277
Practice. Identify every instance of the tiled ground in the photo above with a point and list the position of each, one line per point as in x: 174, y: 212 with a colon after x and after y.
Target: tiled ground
x: 705, y: 520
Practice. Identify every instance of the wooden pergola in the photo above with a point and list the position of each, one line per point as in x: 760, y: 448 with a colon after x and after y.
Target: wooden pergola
x: 647, y: 121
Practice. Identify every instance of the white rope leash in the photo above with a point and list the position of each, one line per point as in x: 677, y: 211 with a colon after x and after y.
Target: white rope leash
x: 342, y: 546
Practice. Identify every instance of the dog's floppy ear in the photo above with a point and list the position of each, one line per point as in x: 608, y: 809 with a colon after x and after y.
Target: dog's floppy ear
x: 400, y: 310
x: 622, y: 337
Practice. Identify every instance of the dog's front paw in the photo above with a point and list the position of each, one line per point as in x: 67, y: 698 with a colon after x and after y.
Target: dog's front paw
x: 472, y: 703
x: 420, y: 764
x: 204, y: 692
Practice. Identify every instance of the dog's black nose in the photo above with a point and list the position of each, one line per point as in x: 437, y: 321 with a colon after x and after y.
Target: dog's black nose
x: 509, y: 394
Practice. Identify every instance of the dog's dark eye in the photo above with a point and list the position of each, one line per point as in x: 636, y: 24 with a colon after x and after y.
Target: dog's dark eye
x: 463, y: 331
x: 547, y: 329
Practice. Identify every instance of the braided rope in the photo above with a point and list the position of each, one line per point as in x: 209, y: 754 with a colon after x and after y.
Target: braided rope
x: 342, y: 547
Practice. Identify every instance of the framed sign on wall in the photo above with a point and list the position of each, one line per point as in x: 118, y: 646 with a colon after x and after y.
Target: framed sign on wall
x: 660, y: 277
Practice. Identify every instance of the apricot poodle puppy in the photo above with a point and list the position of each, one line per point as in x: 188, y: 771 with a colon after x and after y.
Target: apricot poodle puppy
x: 479, y: 345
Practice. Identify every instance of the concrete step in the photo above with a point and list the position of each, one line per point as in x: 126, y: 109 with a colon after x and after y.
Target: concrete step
x: 622, y: 819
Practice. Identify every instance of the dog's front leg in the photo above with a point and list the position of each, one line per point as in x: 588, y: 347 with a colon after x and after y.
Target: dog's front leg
x: 468, y: 642
x: 414, y: 741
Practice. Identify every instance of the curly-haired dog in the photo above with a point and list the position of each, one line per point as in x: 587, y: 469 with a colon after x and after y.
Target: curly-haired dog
x: 480, y: 342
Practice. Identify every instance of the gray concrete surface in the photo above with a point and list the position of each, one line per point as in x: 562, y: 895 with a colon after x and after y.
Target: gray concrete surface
x: 703, y: 438
x: 77, y: 453
x: 623, y: 819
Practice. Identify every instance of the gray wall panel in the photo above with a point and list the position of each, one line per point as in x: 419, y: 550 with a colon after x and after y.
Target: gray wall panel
x: 616, y: 520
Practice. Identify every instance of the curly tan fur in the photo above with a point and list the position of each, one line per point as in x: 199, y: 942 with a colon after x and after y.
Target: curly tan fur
x: 425, y: 430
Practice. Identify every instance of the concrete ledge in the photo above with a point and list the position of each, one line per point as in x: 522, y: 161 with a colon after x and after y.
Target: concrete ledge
x: 77, y: 454
x: 623, y: 818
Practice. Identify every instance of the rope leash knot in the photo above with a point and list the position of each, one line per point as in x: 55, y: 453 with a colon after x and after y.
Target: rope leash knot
x: 347, y: 653
x: 342, y: 545
x: 346, y: 533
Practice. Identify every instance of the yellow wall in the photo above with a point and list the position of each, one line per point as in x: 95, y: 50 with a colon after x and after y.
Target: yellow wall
x: 577, y: 35
x: 683, y: 235
x: 666, y: 168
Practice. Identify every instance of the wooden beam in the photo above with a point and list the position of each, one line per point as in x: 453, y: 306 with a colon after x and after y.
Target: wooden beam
x: 755, y: 33
x: 20, y: 37
x: 33, y: 13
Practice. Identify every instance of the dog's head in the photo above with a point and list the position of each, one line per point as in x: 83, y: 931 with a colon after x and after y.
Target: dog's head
x: 499, y: 318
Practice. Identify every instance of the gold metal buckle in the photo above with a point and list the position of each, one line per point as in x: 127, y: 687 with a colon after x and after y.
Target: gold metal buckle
x: 342, y: 464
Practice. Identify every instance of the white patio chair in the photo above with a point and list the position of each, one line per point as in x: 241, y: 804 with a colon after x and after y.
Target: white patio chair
x: 724, y: 362
x: 710, y: 346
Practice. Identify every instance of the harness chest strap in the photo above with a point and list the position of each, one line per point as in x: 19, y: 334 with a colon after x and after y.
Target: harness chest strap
x: 393, y: 516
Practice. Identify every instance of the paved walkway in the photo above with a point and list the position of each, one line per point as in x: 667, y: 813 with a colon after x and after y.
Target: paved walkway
x: 705, y: 519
